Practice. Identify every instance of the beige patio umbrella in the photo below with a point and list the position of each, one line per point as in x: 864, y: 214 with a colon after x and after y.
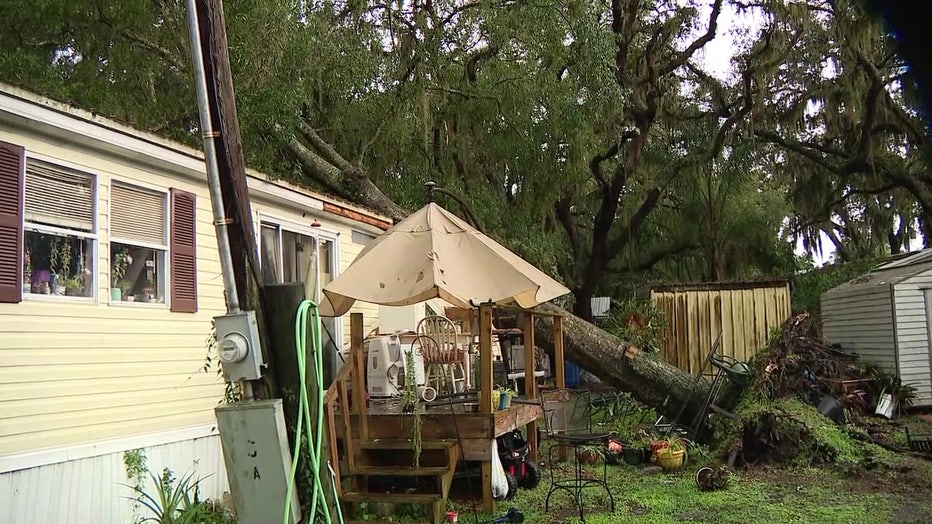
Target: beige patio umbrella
x: 433, y: 253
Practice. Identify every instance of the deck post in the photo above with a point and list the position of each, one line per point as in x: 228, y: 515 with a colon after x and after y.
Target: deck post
x: 359, y: 374
x: 559, y: 364
x: 485, y: 396
x: 530, y: 380
x: 559, y: 367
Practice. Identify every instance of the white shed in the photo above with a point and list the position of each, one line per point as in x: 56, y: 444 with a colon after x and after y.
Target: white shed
x: 885, y: 317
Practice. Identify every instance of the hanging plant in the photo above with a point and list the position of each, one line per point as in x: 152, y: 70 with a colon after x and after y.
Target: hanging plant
x: 411, y: 405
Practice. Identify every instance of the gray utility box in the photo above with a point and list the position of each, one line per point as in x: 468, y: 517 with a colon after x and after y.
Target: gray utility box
x: 255, y: 450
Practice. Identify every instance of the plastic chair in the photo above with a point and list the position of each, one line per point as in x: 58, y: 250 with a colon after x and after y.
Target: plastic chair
x: 443, y: 355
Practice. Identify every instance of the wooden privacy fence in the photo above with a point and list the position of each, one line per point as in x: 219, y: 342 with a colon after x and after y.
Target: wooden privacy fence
x: 743, y: 313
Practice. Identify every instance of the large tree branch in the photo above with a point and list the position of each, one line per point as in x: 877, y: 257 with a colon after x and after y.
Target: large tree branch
x: 680, y: 58
x: 627, y: 233
x: 317, y: 167
x: 563, y: 208
x: 595, y: 165
x: 656, y: 256
x: 164, y: 53
x: 797, y: 147
x: 323, y: 148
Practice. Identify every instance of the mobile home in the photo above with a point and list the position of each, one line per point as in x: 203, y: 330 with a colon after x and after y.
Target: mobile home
x: 109, y: 278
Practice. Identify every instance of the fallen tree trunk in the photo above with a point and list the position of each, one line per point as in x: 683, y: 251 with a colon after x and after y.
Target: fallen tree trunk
x: 649, y: 380
x: 646, y: 377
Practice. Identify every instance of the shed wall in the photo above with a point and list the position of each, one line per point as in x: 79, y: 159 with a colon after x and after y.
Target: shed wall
x: 861, y: 320
x: 912, y: 334
x: 695, y: 319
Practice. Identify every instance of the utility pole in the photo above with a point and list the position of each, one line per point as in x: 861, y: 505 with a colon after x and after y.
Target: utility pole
x: 272, y: 311
x: 231, y: 165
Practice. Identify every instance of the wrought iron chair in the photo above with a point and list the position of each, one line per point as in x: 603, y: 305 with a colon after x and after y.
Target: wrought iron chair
x: 568, y: 423
x: 443, y: 354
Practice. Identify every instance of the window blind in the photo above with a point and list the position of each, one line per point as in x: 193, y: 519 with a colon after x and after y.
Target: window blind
x: 58, y: 196
x: 137, y: 214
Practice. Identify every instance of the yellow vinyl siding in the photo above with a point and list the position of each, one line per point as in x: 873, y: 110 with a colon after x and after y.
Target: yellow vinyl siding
x: 79, y: 371
x: 370, y: 312
x: 74, y: 372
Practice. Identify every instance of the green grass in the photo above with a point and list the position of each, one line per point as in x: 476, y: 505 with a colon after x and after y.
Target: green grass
x: 771, y: 497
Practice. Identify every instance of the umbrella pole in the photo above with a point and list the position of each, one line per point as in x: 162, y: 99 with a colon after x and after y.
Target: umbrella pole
x: 485, y: 396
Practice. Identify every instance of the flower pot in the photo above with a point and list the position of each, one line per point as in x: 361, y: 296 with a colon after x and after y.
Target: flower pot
x: 657, y: 445
x: 588, y: 456
x: 116, y: 294
x: 27, y: 288
x: 504, y: 401
x: 58, y: 290
x: 496, y: 399
x: 671, y: 460
x: 633, y: 456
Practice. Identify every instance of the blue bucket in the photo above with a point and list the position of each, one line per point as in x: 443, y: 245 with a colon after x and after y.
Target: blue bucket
x: 572, y: 374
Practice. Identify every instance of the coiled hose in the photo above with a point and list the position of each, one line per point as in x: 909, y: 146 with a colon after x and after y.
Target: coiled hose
x: 308, y: 310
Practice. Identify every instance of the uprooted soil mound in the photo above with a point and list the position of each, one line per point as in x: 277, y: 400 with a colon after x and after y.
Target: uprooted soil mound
x: 811, y: 403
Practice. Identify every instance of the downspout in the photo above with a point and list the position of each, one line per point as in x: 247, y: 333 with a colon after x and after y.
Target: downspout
x: 896, y: 342
x: 210, y: 154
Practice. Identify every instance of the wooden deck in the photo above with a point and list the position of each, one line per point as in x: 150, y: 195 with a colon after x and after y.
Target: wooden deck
x: 373, y: 438
x: 474, y: 431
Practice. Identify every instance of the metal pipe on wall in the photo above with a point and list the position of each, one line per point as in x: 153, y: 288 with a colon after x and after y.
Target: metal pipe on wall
x: 210, y: 154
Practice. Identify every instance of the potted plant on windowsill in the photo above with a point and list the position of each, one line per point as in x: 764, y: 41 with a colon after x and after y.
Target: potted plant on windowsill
x: 74, y: 286
x: 27, y: 272
x: 121, y: 261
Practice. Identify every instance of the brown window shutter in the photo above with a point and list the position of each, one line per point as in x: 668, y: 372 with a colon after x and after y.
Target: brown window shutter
x: 183, y: 248
x: 12, y: 164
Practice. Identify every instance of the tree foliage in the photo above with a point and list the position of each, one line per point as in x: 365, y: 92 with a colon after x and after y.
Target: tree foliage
x: 588, y: 136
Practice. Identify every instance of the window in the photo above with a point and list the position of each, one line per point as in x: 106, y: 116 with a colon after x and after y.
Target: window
x: 59, y: 231
x: 138, y: 244
x: 292, y: 256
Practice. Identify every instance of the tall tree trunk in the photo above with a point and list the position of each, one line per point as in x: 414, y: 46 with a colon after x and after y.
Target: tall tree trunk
x: 647, y: 378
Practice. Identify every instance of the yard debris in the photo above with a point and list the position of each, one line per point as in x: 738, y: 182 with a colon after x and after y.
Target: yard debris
x: 800, y: 363
x: 813, y: 403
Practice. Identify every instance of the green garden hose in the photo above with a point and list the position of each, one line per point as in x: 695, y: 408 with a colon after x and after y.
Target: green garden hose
x: 307, y: 310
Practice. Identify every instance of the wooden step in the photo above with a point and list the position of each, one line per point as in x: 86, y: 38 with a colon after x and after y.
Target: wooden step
x: 390, y: 498
x: 399, y: 471
x: 406, y: 444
